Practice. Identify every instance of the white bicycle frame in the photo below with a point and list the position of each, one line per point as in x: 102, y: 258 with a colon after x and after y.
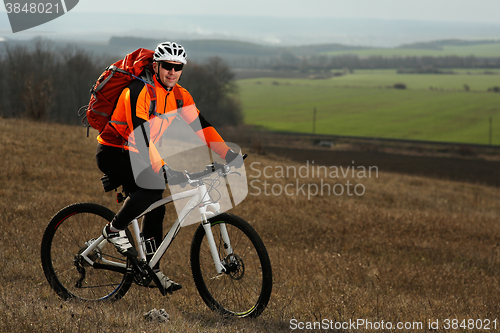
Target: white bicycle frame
x: 206, y: 208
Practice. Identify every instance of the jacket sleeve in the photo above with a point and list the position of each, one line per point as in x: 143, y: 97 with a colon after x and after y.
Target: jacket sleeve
x: 154, y: 156
x: 203, y: 129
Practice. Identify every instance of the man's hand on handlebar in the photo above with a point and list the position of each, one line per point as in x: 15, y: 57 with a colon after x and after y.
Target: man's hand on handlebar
x: 173, y: 177
x: 234, y: 159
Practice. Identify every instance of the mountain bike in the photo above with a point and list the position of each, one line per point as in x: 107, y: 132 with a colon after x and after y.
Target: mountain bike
x: 229, y: 262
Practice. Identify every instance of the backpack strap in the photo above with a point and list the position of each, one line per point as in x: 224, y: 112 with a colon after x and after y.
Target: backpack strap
x: 152, y: 104
x: 178, y: 98
x: 113, y: 70
x: 147, y: 79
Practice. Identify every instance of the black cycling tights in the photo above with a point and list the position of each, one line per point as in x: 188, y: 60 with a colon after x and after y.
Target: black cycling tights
x: 115, y: 162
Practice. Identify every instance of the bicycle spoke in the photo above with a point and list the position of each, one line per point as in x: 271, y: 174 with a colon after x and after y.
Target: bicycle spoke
x: 68, y: 234
x: 239, y: 290
x: 100, y: 286
x: 63, y: 272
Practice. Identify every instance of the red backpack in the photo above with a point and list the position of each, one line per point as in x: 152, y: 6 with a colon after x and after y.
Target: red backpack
x: 115, y: 78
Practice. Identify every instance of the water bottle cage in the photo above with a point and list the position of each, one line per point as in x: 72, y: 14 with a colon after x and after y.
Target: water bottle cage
x: 150, y: 246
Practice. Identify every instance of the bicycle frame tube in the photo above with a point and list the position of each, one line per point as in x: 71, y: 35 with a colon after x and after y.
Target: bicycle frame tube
x: 99, y: 242
x: 200, y: 199
x: 140, y: 240
x: 192, y: 203
x: 167, y: 200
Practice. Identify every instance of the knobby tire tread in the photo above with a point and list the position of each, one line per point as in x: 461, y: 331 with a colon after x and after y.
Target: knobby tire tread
x: 46, y: 256
x: 265, y: 263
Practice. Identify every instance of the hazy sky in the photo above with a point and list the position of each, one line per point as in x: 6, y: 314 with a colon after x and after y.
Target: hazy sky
x: 434, y: 10
x: 245, y: 20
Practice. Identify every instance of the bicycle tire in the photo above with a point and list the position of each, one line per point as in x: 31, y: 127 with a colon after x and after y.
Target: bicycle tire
x: 64, y: 238
x: 245, y: 292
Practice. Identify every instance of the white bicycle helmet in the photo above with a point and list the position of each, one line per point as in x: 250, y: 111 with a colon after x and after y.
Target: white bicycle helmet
x: 170, y: 51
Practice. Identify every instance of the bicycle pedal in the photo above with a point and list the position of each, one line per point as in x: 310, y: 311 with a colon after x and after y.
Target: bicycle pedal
x: 156, y: 281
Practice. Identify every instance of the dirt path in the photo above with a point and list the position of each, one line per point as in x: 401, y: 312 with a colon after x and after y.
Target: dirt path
x: 460, y: 169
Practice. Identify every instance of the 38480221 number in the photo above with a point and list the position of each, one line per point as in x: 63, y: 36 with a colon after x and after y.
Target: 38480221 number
x: 471, y: 324
x: 32, y: 8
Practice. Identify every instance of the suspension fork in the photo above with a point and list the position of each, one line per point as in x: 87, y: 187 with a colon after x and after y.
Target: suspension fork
x: 213, y: 248
x: 225, y: 238
x: 207, y: 226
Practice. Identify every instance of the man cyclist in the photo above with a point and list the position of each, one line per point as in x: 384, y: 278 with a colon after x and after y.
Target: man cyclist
x: 117, y: 145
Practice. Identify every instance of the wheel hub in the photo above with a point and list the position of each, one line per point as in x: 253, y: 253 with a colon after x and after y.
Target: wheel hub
x: 234, y: 266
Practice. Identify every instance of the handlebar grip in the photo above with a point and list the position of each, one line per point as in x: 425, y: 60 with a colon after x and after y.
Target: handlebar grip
x: 211, y: 168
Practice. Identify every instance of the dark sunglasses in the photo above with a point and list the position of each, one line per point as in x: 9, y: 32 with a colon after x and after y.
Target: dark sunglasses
x: 168, y: 66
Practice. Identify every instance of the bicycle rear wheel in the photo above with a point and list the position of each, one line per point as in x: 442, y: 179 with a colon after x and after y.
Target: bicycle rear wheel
x: 67, y: 235
x: 244, y: 290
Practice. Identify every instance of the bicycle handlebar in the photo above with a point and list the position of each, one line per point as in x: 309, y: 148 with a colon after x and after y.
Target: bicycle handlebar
x: 208, y: 170
x: 211, y: 168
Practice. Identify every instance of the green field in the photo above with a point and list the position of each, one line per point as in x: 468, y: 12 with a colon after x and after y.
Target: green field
x: 361, y: 104
x: 479, y: 50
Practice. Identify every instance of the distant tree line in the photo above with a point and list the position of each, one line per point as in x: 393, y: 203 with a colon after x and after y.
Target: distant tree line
x: 48, y: 83
x: 315, y: 58
x: 44, y: 83
x: 214, y: 90
x: 321, y: 63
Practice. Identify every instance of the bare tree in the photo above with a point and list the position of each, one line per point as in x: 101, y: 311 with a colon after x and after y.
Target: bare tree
x: 214, y: 91
x: 43, y: 82
x: 30, y: 82
x: 37, y: 97
x: 76, y: 73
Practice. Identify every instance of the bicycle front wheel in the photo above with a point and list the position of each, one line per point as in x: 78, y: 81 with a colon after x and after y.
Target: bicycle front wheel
x: 245, y: 288
x: 67, y: 235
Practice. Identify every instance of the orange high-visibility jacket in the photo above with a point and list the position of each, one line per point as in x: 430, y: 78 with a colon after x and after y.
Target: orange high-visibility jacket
x: 133, y: 110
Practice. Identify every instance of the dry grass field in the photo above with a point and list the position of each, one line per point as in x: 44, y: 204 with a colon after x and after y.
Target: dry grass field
x: 410, y: 249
